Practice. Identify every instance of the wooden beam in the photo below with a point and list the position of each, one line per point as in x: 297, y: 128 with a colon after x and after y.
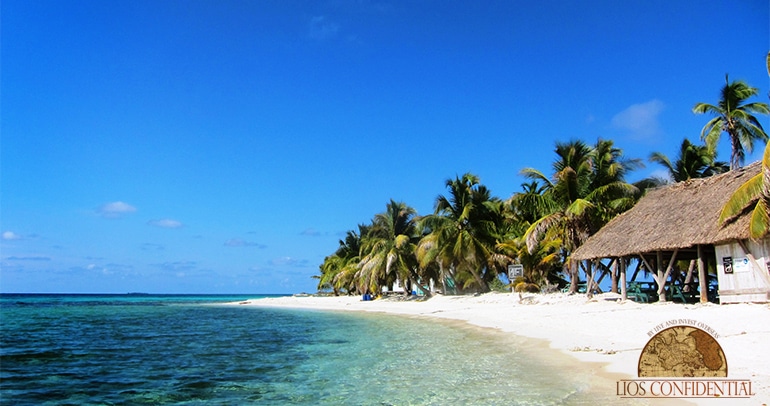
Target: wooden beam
x: 638, y: 268
x: 646, y: 264
x: 669, y: 268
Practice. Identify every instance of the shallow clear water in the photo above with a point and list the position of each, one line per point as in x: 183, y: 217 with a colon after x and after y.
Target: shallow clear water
x: 57, y: 349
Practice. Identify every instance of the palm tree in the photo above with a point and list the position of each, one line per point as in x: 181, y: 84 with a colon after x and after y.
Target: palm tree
x: 338, y: 270
x: 734, y: 116
x: 693, y: 161
x: 389, y: 249
x: 755, y: 191
x: 462, y: 233
x: 588, y: 189
x: 541, y: 266
x: 529, y: 205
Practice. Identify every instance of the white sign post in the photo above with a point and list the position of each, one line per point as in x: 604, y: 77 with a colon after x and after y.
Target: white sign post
x: 514, y: 271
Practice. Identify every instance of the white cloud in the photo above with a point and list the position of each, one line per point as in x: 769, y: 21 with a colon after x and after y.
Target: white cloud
x: 166, y: 223
x: 10, y: 235
x: 115, y: 209
x: 640, y: 121
x: 321, y: 28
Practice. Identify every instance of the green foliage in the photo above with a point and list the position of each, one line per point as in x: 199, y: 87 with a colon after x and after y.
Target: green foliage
x: 462, y: 232
x: 587, y: 189
x: 389, y: 248
x: 497, y: 285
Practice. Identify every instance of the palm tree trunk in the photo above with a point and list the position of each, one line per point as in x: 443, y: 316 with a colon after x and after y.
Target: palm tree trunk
x: 688, y: 278
x: 573, y: 277
x: 483, y: 286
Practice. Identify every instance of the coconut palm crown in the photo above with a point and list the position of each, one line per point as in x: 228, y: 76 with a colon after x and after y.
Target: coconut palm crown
x: 693, y: 161
x: 732, y: 115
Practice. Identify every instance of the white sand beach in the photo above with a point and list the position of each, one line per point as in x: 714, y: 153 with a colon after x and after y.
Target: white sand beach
x: 600, y: 329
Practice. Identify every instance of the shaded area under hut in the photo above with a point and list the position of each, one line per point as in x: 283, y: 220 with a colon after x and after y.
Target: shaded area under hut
x: 674, y: 234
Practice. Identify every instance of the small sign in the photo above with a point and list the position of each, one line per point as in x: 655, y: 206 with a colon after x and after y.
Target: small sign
x: 515, y: 271
x: 741, y: 265
x: 727, y: 262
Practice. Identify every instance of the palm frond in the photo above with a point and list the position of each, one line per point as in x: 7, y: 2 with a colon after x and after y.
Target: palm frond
x: 741, y: 198
x: 760, y: 221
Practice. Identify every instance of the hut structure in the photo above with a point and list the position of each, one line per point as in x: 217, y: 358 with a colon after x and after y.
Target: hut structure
x: 679, y: 222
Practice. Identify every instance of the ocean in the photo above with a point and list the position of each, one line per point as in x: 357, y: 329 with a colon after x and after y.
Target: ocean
x: 193, y: 350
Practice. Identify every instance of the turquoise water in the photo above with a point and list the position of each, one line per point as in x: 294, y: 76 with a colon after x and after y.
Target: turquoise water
x: 126, y: 350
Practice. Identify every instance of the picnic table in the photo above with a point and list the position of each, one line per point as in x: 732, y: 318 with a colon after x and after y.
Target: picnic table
x: 642, y: 292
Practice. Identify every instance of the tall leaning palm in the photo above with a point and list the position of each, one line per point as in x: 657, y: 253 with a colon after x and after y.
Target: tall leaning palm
x: 732, y: 115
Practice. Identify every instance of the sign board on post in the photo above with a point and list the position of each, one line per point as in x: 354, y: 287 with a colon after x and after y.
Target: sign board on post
x: 514, y: 271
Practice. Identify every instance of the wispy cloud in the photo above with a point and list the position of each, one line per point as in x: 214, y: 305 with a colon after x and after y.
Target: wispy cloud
x: 166, y: 223
x: 310, y: 232
x: 178, y: 266
x: 106, y: 269
x: 33, y: 258
x: 237, y: 242
x: 640, y: 121
x: 321, y: 28
x: 115, y: 210
x: 289, y: 261
x: 10, y: 235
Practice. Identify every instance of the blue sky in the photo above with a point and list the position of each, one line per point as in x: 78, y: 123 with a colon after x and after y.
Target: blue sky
x: 226, y: 146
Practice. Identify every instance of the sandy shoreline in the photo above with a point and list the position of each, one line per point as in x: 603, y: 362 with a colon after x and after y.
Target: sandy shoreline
x: 601, y: 329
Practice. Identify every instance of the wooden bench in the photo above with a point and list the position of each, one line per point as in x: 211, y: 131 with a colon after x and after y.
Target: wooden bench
x: 642, y: 292
x: 679, y: 295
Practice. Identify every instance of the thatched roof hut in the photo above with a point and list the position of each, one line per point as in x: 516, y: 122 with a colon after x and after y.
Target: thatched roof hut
x: 678, y: 216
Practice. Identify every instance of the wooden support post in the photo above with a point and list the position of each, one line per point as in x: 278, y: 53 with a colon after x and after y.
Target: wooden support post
x: 704, y: 293
x: 659, y: 276
x: 589, y: 270
x: 614, y: 274
x: 623, y: 288
x: 669, y: 268
x: 573, y: 275
x: 688, y: 278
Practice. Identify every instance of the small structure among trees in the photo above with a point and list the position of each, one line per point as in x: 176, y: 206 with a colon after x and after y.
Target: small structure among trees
x: 679, y: 223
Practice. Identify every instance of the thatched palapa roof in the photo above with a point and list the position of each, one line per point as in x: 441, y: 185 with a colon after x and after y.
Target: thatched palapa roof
x: 677, y: 216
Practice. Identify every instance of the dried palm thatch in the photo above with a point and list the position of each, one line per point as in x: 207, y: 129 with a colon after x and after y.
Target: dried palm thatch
x: 677, y: 216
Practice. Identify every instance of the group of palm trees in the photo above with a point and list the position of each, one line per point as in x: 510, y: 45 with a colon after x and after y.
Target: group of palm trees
x: 472, y: 236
